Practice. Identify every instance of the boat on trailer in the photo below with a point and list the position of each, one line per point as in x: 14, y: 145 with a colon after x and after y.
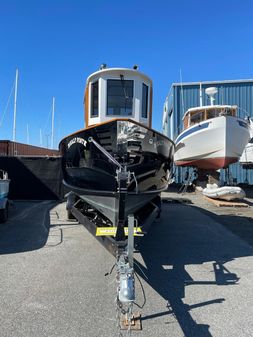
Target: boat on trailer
x: 118, y: 165
x: 213, y: 137
x: 116, y: 168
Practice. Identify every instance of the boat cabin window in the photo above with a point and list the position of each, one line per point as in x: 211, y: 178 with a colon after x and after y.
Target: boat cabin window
x: 212, y: 113
x: 144, y: 110
x: 94, y: 99
x: 197, y: 117
x: 228, y: 111
x: 120, y: 97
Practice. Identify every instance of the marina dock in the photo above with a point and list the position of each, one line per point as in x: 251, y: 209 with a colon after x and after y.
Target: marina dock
x: 197, y: 260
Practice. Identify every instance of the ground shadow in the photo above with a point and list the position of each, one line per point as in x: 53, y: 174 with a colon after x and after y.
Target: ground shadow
x: 188, y: 238
x: 27, y: 228
x: 239, y: 225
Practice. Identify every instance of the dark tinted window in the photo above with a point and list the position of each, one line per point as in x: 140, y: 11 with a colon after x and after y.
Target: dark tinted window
x: 144, y: 110
x: 120, y: 97
x: 94, y: 99
x: 197, y: 117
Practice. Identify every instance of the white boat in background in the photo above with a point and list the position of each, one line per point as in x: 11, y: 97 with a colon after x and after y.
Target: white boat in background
x: 213, y: 136
x: 246, y: 159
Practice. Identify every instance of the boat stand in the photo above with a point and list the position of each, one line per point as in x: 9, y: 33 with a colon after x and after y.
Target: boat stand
x: 135, y: 322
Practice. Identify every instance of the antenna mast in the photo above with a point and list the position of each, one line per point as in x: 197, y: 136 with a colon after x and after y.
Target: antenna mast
x: 182, y: 93
x: 200, y: 94
x: 15, y: 107
x: 52, y: 133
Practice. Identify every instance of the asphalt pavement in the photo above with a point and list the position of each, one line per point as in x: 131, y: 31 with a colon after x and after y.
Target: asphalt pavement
x: 198, y: 274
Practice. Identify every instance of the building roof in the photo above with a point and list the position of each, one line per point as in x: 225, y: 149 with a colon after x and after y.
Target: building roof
x: 212, y: 82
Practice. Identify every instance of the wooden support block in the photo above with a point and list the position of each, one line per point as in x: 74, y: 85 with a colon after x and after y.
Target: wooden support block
x: 224, y: 203
x: 135, y: 322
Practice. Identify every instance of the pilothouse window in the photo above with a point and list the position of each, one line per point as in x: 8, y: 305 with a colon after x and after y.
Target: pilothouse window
x: 197, y: 117
x: 144, y: 110
x: 94, y: 99
x: 120, y: 97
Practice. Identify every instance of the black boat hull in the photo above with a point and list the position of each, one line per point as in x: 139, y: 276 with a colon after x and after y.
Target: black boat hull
x: 88, y: 173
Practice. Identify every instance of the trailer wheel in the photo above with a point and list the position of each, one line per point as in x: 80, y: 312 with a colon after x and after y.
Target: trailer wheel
x: 4, y: 214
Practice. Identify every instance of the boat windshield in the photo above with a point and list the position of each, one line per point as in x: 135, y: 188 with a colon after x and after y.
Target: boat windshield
x: 212, y: 113
x: 197, y: 117
x: 120, y: 97
x: 216, y: 112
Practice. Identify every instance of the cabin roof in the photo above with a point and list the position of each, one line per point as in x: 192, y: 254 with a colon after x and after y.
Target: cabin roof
x: 208, y: 107
x: 116, y: 71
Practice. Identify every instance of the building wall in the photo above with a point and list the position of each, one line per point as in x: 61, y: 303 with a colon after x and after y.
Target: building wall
x: 187, y: 95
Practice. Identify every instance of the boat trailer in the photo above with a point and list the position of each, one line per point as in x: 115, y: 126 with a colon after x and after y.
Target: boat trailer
x: 123, y: 250
x: 119, y: 241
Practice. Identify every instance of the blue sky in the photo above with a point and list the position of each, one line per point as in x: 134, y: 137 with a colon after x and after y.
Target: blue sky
x: 57, y: 44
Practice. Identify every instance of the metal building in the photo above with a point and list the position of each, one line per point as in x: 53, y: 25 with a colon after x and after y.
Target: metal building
x: 183, y: 96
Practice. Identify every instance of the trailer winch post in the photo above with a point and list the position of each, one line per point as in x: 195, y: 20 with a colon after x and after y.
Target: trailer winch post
x: 126, y: 283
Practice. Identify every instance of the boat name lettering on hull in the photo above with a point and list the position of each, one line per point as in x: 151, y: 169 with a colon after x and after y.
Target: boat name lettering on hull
x: 77, y: 140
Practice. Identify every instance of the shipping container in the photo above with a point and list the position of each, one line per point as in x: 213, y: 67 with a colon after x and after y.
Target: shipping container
x: 10, y: 149
x: 34, y: 177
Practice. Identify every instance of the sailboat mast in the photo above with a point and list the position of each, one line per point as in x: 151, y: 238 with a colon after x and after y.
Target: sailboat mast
x: 40, y: 138
x: 27, y: 134
x: 15, y: 107
x: 52, y: 132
